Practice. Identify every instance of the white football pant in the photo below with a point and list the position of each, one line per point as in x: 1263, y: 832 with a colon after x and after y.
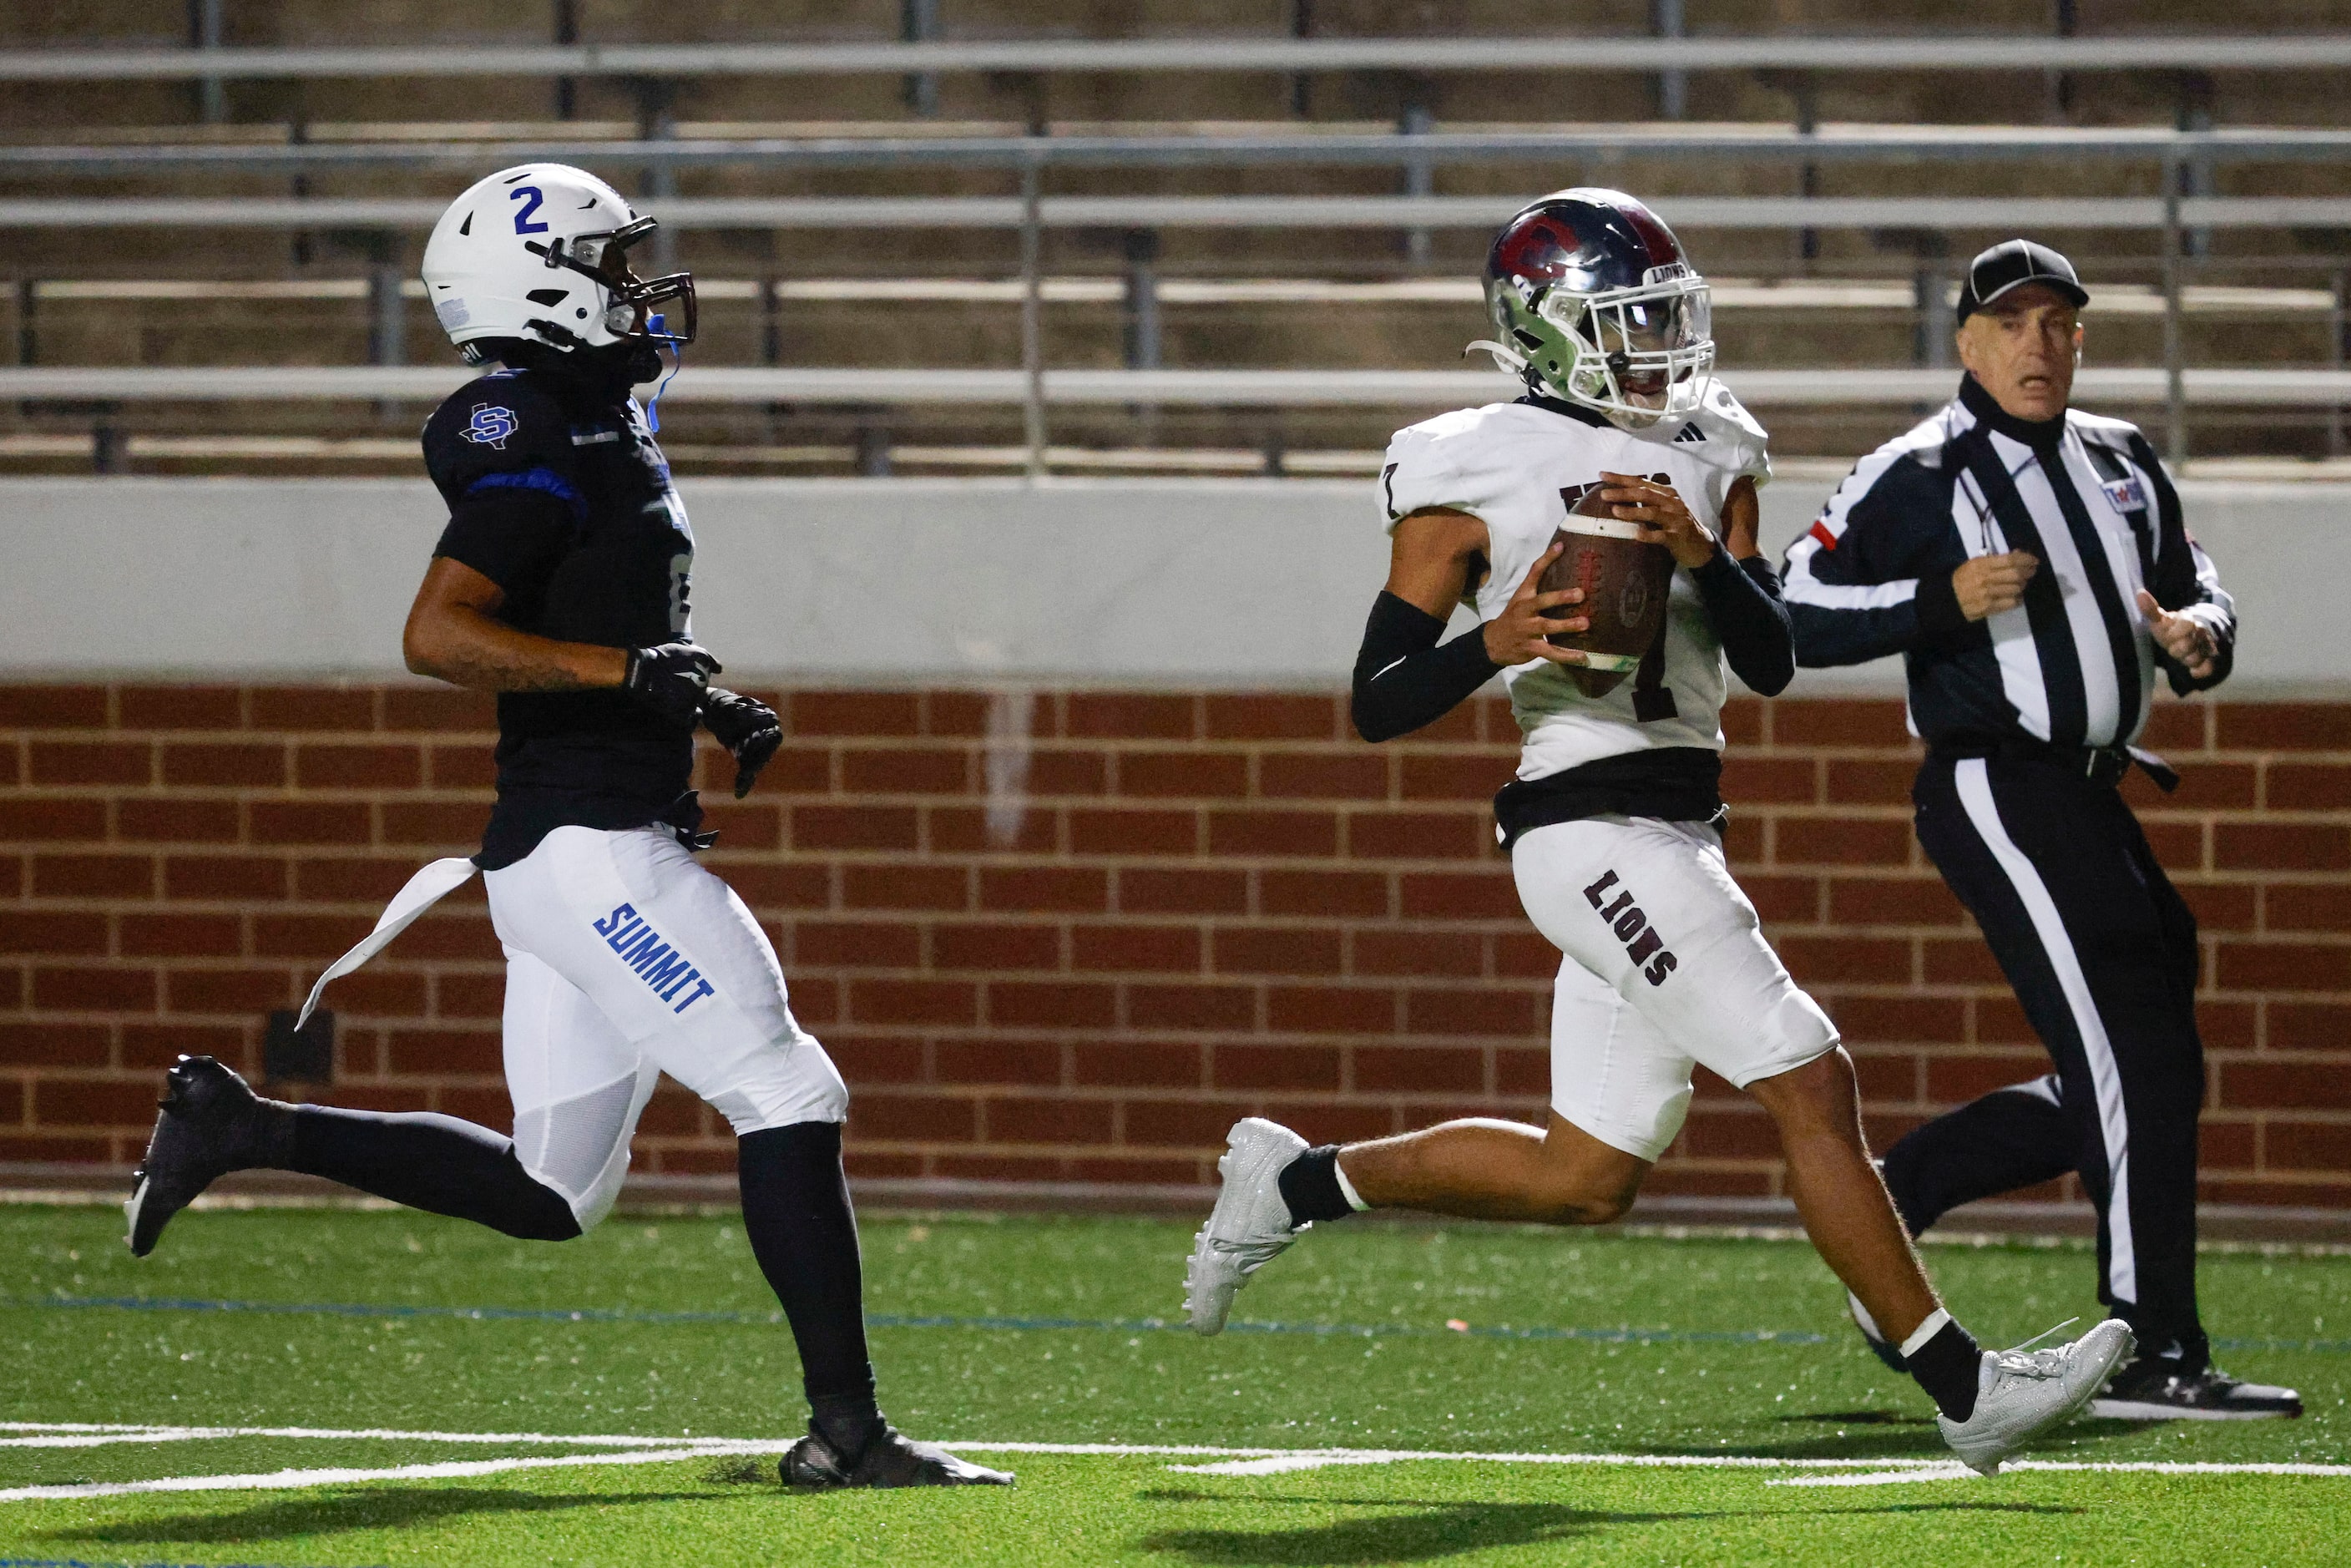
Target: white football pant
x: 1664, y: 966
x: 626, y: 959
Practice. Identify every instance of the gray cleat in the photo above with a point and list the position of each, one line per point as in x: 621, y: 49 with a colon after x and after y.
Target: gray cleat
x: 2021, y: 1391
x: 1250, y: 1224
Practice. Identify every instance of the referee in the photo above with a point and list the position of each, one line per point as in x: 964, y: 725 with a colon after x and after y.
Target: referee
x: 2029, y: 563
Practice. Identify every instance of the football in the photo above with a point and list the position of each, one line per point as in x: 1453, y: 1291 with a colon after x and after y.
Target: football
x: 1625, y: 581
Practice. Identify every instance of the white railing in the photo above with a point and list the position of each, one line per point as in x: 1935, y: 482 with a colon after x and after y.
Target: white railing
x: 2176, y: 215
x: 1581, y: 53
x: 2305, y: 388
x: 1733, y: 295
x: 2005, y: 214
x: 1291, y: 146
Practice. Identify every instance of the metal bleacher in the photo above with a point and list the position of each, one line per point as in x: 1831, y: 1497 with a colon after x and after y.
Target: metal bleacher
x: 886, y: 288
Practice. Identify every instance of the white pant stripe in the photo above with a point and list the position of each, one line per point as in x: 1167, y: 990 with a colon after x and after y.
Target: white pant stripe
x: 1975, y: 794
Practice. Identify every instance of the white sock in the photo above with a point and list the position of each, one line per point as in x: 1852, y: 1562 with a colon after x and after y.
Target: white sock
x: 1347, y: 1188
x: 1924, y: 1331
x: 1861, y: 1316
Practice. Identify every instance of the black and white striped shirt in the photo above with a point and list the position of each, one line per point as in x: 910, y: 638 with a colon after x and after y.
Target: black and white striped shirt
x: 2074, y: 663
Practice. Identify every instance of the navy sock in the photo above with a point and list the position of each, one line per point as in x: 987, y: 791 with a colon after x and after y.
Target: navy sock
x: 803, y: 1232
x: 425, y: 1161
x: 1310, y: 1186
x: 1946, y: 1367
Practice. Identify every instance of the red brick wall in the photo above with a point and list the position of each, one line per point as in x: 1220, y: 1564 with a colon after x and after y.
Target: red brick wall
x: 1211, y: 904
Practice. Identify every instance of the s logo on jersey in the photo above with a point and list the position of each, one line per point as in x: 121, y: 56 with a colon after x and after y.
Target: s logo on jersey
x: 491, y: 427
x: 658, y: 964
x: 1630, y: 926
x: 2125, y: 494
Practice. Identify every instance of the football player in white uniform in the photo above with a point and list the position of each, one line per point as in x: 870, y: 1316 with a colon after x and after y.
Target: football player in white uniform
x: 1611, y: 824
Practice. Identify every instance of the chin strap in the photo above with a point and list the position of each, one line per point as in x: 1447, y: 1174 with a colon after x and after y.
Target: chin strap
x: 1505, y: 357
x: 554, y: 334
x: 653, y: 325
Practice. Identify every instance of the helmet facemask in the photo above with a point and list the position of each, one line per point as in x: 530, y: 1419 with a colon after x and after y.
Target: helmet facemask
x: 1639, y: 354
x: 604, y: 256
x: 1642, y: 354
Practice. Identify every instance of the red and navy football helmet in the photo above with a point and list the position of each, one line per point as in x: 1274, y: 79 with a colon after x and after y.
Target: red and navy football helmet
x: 1596, y: 304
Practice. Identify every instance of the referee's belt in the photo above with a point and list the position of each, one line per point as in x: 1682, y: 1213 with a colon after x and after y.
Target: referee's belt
x: 2104, y: 765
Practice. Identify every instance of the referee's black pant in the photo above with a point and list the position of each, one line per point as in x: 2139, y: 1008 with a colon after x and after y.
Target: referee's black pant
x: 2102, y: 953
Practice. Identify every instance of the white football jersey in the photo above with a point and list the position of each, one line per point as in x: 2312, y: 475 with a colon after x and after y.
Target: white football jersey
x: 1518, y: 466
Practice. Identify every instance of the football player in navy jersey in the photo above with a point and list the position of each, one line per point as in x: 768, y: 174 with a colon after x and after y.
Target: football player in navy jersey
x: 562, y: 583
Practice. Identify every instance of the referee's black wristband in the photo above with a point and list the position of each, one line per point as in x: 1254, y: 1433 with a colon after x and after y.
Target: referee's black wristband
x: 1942, y: 622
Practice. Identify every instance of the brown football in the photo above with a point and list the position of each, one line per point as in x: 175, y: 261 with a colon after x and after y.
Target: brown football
x: 1625, y: 583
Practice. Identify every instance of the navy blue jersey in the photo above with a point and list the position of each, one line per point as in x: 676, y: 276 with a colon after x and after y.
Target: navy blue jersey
x: 562, y: 499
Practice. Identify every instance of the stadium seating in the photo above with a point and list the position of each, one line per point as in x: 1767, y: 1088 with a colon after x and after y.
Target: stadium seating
x: 1268, y: 280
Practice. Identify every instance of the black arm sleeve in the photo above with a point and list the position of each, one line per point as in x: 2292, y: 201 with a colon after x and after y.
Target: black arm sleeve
x: 1403, y: 679
x: 1743, y: 602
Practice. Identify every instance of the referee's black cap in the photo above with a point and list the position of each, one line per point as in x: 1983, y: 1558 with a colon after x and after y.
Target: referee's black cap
x: 2012, y: 263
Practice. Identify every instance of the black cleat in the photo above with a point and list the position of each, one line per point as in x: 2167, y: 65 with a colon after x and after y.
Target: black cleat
x: 2153, y: 1388
x: 211, y: 1123
x: 892, y: 1460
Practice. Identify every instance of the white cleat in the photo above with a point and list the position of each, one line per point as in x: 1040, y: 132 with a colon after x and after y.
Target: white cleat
x: 2019, y: 1393
x: 1249, y: 1227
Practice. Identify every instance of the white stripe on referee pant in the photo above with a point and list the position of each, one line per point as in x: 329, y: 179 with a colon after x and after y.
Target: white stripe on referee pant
x: 1975, y: 794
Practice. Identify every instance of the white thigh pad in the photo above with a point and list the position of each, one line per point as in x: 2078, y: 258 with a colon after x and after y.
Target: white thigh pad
x: 1650, y: 908
x: 1612, y: 1073
x: 675, y: 961
x: 578, y: 1088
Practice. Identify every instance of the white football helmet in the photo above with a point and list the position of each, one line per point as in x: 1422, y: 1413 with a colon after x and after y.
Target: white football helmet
x: 540, y: 252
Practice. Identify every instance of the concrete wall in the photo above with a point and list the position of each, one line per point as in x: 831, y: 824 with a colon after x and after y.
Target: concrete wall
x: 1200, y: 583
x: 1057, y: 931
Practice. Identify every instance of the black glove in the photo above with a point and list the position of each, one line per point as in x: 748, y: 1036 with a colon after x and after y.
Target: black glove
x: 673, y: 677
x: 745, y: 726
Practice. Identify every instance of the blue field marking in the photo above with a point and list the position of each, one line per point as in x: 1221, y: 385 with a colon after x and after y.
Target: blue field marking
x: 1003, y: 1323
x: 1010, y: 1323
x: 377, y: 1310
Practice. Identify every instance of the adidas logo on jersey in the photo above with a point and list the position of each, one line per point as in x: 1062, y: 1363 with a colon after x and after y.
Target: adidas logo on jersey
x: 658, y: 964
x: 1642, y: 943
x: 1689, y: 431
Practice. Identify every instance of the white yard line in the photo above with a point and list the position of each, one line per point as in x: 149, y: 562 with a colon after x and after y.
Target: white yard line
x: 1275, y: 1461
x: 1281, y: 1464
x: 76, y: 1434
x: 1952, y: 1471
x: 1222, y: 1461
x: 286, y: 1480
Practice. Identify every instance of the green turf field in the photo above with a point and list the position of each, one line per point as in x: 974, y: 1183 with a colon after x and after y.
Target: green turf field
x: 1696, y: 1378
